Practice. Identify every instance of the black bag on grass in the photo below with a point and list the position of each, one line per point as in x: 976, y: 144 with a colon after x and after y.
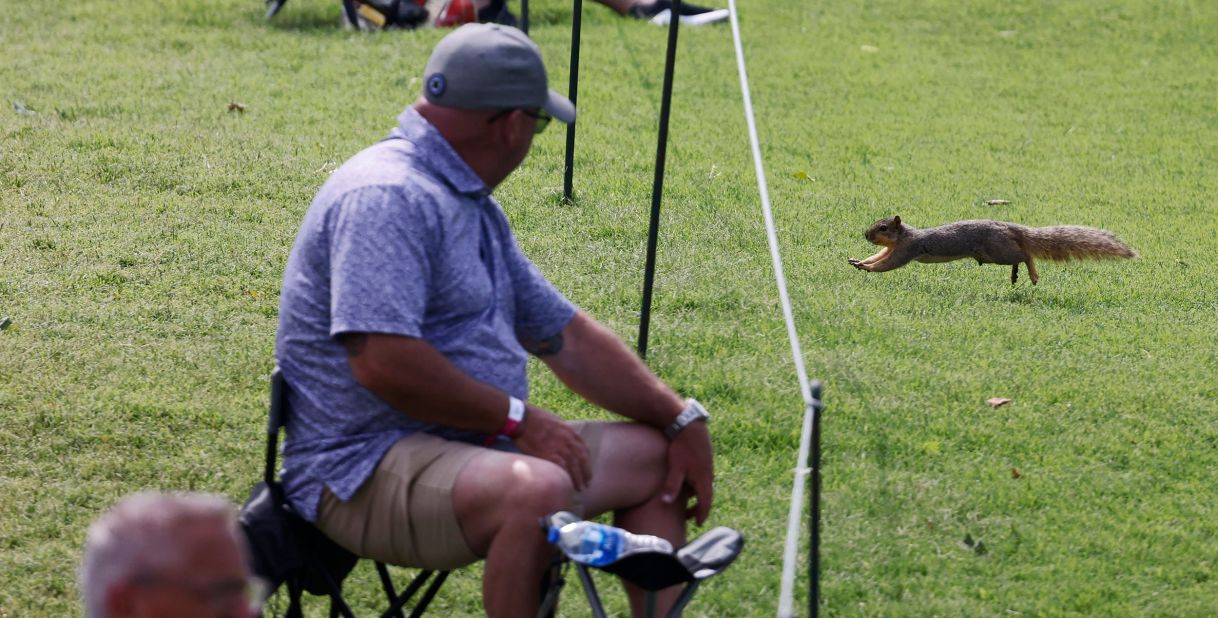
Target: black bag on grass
x: 287, y: 549
x: 384, y: 14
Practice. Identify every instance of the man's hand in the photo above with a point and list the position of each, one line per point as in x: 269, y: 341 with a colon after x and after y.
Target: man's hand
x: 548, y: 437
x: 691, y: 464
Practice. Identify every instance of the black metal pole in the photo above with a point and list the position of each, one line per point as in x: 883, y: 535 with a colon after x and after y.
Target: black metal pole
x: 572, y: 91
x: 814, y: 510
x: 524, y: 16
x: 657, y: 187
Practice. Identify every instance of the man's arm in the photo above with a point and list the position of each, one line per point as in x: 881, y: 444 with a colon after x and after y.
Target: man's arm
x: 416, y: 379
x: 594, y: 362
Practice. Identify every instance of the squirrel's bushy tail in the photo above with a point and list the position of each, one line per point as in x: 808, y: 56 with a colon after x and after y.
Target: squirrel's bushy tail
x: 1068, y: 242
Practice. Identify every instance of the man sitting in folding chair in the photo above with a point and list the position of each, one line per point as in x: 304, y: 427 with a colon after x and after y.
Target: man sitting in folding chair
x: 406, y: 317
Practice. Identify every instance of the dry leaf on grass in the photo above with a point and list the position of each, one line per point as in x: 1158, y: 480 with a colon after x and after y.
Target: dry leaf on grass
x: 1015, y: 473
x: 995, y: 402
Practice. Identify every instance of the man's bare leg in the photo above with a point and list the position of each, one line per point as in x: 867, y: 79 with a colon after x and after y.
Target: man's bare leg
x: 627, y: 477
x: 662, y: 520
x: 499, y: 499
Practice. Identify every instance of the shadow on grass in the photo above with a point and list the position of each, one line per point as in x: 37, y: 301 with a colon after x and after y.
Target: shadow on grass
x: 313, y: 23
x: 303, y: 17
x: 556, y: 198
x: 1072, y: 301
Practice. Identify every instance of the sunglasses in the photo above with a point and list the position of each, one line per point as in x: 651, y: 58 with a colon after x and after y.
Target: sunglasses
x: 543, y: 119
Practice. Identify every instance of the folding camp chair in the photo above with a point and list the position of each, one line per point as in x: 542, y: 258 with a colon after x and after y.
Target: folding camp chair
x: 289, y: 551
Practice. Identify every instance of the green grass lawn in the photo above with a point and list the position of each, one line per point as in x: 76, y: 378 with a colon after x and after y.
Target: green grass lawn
x: 144, y: 228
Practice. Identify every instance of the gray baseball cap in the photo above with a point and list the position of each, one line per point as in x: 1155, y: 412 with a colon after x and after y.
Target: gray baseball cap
x: 490, y: 66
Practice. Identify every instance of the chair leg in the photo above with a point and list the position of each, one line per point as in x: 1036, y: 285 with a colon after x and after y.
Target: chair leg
x: 273, y: 7
x: 395, y: 601
x: 594, y: 599
x: 551, y: 586
x: 294, y: 604
x: 398, y: 601
x: 429, y: 594
x: 686, y: 594
x: 338, y: 606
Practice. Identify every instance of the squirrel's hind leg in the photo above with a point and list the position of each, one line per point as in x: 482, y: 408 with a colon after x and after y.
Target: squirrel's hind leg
x: 1031, y: 271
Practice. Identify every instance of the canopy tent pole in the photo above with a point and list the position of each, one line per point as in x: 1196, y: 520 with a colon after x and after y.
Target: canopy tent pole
x: 657, y: 187
x: 572, y: 91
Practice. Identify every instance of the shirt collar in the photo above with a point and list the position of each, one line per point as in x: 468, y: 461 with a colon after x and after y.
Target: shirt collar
x: 442, y: 159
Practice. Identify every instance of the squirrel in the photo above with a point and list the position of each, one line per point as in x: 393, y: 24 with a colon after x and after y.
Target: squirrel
x: 988, y: 242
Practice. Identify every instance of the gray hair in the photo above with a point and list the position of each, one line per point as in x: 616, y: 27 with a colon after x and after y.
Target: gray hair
x: 137, y: 536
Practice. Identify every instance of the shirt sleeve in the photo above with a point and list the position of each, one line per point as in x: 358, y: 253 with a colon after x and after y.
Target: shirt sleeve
x: 380, y: 246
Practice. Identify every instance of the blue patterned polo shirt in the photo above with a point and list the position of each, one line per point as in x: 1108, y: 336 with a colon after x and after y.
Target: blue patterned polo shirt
x: 403, y: 239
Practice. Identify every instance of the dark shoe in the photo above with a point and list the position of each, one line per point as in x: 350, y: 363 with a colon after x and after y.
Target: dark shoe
x: 497, y: 13
x: 660, y: 12
x: 373, y: 15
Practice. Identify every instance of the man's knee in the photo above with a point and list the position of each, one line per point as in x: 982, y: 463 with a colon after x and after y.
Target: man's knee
x: 502, y: 486
x: 539, y: 488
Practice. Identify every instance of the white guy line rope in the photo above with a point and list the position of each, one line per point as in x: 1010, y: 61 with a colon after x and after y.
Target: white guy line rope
x: 801, y: 471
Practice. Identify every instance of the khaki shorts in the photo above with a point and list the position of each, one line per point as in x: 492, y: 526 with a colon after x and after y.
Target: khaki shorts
x: 404, y: 514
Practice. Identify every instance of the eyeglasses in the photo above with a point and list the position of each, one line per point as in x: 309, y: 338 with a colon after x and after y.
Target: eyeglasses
x: 215, y: 594
x: 543, y: 119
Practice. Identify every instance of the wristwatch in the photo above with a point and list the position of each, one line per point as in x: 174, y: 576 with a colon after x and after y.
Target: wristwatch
x: 693, y: 412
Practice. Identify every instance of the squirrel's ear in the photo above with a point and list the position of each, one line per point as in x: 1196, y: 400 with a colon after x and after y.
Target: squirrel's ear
x: 896, y: 220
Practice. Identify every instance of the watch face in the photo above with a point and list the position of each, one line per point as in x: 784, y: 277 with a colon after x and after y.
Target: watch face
x: 696, y: 410
x: 693, y: 411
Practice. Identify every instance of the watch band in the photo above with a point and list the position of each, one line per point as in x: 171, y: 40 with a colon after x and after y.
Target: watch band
x: 514, y: 419
x: 693, y: 412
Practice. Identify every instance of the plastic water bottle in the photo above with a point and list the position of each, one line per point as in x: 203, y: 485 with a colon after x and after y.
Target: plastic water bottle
x: 594, y: 544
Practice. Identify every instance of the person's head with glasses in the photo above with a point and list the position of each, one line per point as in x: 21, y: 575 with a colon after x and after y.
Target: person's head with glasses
x: 485, y: 90
x: 159, y: 554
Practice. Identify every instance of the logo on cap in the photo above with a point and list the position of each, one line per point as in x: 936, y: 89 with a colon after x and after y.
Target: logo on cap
x: 436, y: 84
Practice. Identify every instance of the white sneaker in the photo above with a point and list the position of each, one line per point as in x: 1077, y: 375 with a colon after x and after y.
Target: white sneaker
x: 712, y: 16
x: 660, y: 12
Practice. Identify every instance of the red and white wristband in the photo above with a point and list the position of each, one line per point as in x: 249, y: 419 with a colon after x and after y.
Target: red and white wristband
x: 511, y: 426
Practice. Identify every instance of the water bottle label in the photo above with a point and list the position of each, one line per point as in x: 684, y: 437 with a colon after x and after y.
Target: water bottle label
x: 596, y: 544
